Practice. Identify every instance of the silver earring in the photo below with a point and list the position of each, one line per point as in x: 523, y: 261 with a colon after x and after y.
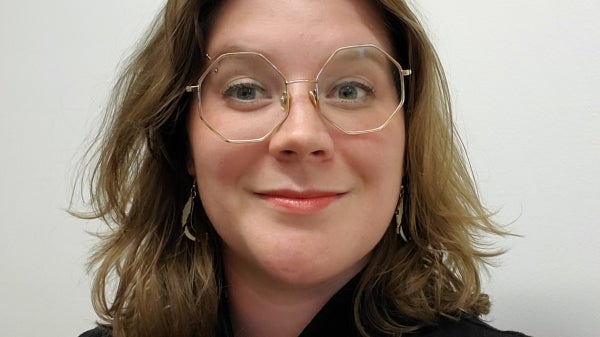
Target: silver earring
x: 399, y: 213
x: 186, y: 214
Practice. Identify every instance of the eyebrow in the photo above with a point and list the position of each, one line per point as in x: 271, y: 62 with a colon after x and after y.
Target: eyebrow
x: 235, y: 47
x: 241, y: 47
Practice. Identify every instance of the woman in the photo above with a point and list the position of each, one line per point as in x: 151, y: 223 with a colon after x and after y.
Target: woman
x: 285, y: 168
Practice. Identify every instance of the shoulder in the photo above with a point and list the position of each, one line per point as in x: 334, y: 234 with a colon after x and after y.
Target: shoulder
x: 97, y: 332
x: 465, y: 327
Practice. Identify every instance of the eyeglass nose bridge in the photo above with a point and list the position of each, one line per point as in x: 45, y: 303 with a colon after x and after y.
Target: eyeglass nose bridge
x: 286, y: 98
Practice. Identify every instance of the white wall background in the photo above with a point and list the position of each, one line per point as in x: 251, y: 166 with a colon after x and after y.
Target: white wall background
x: 525, y: 76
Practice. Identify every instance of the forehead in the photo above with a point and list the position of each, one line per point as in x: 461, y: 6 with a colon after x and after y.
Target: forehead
x: 296, y: 30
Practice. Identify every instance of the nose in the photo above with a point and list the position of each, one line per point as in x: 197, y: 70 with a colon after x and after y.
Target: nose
x: 304, y: 135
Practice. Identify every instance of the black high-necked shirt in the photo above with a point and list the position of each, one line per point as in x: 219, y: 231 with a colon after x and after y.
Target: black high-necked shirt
x: 336, y: 319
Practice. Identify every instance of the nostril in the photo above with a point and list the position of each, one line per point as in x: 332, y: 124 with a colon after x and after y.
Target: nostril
x: 290, y: 153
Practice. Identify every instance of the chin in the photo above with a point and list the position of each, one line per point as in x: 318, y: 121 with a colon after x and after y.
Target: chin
x: 314, y: 271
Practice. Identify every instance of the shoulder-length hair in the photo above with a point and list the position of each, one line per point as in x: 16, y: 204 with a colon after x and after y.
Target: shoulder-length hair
x: 151, y: 281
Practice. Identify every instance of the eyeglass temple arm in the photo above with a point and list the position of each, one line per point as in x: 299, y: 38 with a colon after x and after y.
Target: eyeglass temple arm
x: 191, y: 88
x: 406, y: 72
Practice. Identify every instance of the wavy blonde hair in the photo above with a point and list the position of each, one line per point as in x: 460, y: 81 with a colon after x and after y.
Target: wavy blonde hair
x: 151, y: 281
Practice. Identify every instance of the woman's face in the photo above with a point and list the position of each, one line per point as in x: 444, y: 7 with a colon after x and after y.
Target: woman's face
x: 308, y: 204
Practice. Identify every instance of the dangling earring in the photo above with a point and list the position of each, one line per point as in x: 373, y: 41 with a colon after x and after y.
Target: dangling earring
x: 399, y: 213
x: 186, y: 214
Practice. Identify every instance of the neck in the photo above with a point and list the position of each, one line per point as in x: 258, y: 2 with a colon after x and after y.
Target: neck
x: 260, y: 307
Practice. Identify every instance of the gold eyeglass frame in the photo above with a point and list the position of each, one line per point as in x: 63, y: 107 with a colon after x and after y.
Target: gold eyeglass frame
x: 285, y: 98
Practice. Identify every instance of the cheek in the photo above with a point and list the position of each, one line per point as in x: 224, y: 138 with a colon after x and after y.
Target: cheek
x: 212, y: 159
x: 219, y: 169
x: 220, y: 165
x: 394, y: 148
x: 380, y: 156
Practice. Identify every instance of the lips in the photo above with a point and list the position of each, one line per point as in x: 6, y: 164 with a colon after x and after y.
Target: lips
x: 304, y: 202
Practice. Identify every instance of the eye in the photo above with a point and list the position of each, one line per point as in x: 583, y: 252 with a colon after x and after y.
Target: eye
x: 244, y: 91
x: 352, y: 91
x: 246, y: 94
x: 350, y: 94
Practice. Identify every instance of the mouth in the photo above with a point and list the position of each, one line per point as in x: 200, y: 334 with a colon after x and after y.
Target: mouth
x: 305, y: 202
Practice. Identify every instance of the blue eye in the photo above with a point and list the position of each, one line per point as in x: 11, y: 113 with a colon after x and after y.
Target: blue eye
x: 347, y: 92
x: 352, y: 91
x: 244, y: 91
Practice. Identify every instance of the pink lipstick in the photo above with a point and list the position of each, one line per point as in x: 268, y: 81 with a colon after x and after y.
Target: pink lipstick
x: 300, y: 202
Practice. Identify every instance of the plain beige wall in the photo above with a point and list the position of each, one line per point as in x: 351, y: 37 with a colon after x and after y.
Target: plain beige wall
x: 525, y: 79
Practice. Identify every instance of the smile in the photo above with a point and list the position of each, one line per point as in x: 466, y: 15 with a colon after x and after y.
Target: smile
x: 300, y: 202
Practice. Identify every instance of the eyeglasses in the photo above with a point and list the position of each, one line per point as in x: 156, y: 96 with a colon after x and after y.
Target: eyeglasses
x: 243, y: 97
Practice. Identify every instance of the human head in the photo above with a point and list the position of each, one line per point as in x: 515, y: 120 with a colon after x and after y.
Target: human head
x: 141, y: 180
x: 149, y: 112
x: 306, y: 206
